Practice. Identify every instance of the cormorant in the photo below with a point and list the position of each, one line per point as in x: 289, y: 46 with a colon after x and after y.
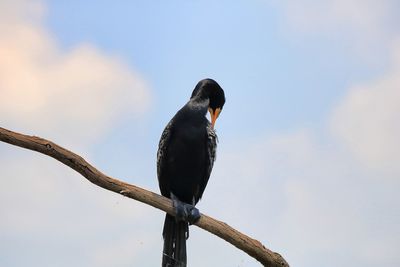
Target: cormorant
x: 185, y: 158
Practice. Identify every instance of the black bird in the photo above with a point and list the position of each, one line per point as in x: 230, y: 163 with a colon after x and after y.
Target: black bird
x: 185, y: 157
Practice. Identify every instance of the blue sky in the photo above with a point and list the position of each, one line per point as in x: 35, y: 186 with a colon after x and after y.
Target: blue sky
x: 174, y: 44
x: 308, y: 158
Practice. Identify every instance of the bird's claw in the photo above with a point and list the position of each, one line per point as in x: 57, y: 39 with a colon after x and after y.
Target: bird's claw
x: 186, y: 212
x: 193, y: 214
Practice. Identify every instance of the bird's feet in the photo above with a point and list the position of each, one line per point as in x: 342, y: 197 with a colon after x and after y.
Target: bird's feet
x: 185, y: 212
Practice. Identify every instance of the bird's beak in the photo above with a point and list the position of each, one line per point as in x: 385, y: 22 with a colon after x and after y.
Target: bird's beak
x: 214, y: 115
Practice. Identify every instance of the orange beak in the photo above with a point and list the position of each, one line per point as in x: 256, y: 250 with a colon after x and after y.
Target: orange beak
x: 214, y: 115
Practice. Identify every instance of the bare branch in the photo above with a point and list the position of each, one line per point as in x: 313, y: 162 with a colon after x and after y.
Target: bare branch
x: 251, y: 246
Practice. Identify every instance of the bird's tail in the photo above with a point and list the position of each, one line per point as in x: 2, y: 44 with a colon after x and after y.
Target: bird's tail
x: 175, y: 235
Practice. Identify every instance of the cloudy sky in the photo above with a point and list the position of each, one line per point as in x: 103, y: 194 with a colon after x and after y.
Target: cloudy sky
x: 309, y: 152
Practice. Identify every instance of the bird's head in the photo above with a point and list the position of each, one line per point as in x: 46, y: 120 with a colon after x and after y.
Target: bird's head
x: 210, y: 89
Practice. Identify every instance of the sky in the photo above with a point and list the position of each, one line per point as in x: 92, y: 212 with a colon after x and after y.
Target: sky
x: 308, y: 155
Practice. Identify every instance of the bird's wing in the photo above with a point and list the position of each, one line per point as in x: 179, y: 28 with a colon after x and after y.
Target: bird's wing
x: 162, y: 158
x: 212, y: 140
x: 212, y: 147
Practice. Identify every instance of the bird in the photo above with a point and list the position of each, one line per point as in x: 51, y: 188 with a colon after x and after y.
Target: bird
x: 185, y: 158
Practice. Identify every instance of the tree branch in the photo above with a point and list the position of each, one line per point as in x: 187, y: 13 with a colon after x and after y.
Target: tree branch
x: 251, y: 246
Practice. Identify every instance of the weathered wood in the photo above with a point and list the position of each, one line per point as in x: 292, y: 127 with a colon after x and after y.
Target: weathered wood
x: 249, y: 245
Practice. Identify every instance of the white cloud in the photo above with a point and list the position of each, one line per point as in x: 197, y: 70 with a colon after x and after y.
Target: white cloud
x: 338, y: 15
x: 332, y: 194
x: 71, y: 97
x: 51, y: 92
x: 302, y: 195
x: 51, y: 208
x: 367, y: 120
x: 364, y: 28
x: 305, y: 195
